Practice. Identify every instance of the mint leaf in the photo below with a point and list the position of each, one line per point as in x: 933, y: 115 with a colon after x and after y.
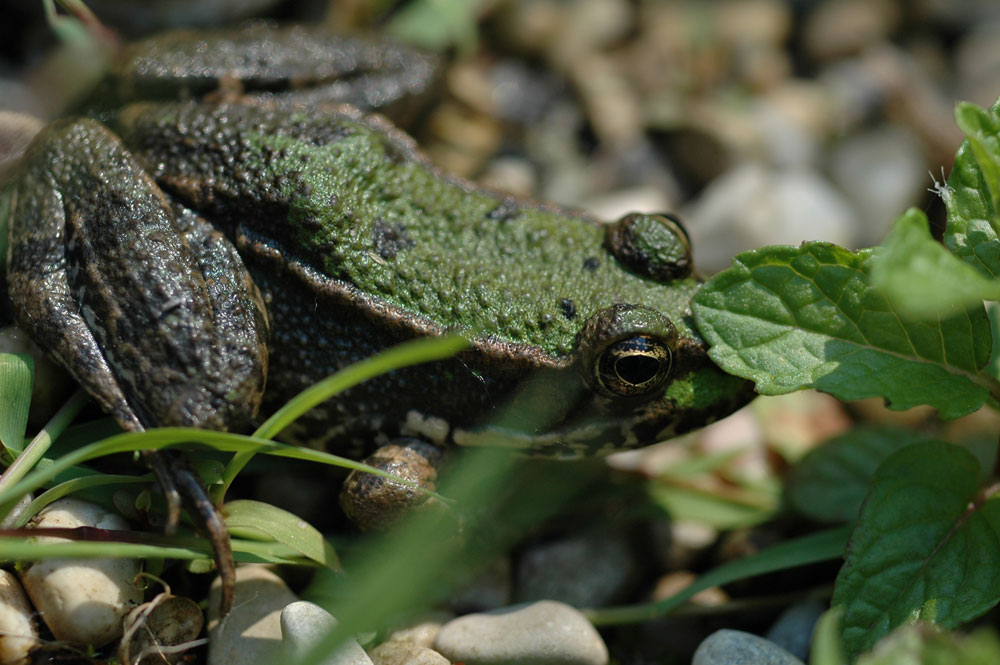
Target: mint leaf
x: 808, y: 317
x: 924, y: 548
x: 830, y: 483
x: 973, y: 190
x: 921, y: 278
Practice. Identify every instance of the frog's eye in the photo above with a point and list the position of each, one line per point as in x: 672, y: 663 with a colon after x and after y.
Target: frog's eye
x: 633, y: 366
x: 654, y: 246
x: 626, y: 351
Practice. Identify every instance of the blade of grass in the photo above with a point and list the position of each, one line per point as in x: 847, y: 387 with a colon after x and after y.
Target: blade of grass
x: 76, y: 485
x: 415, y: 352
x: 156, y: 439
x: 813, y: 548
x: 35, y: 450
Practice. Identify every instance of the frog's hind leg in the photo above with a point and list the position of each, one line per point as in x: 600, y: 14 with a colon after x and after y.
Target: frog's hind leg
x: 151, y: 311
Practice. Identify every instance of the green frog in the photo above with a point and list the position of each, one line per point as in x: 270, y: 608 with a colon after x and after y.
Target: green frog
x: 186, y: 255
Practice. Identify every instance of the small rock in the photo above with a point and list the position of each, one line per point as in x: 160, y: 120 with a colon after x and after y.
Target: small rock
x: 542, y: 633
x: 882, y: 173
x: 794, y: 628
x: 406, y: 653
x: 488, y: 590
x: 837, y: 28
x: 752, y: 206
x: 304, y: 625
x: 251, y: 633
x: 18, y: 635
x: 588, y: 570
x: 83, y: 601
x: 423, y: 631
x: 734, y: 647
x: 160, y: 631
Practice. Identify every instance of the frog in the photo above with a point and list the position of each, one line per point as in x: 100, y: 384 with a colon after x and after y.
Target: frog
x: 199, y: 256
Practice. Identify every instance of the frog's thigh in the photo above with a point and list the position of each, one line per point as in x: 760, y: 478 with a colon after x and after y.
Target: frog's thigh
x: 372, y: 501
x: 103, y: 277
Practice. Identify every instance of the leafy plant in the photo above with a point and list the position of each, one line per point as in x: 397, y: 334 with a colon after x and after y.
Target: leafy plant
x: 904, y: 321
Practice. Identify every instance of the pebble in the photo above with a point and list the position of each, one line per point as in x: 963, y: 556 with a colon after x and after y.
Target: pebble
x: 83, y: 601
x: 794, y: 628
x: 422, y: 631
x: 837, y: 28
x: 18, y: 634
x: 881, y: 171
x: 542, y: 633
x: 406, y: 653
x: 161, y: 631
x: 488, y: 590
x: 251, y: 633
x: 304, y: 625
x: 752, y: 206
x: 734, y: 647
x: 588, y: 570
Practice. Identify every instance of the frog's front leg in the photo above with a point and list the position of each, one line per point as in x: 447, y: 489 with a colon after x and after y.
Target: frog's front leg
x: 373, y: 502
x: 150, y: 310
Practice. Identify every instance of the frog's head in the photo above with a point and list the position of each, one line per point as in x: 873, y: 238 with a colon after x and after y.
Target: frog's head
x: 638, y: 372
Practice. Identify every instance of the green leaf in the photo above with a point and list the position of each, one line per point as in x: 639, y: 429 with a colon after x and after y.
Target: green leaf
x: 706, y: 507
x: 831, y: 481
x: 16, y: 372
x: 438, y: 24
x: 921, y: 277
x: 921, y: 644
x: 808, y: 317
x: 255, y: 519
x: 925, y: 547
x: 973, y: 191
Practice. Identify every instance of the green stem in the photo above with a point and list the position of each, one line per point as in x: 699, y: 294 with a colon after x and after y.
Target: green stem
x: 36, y: 450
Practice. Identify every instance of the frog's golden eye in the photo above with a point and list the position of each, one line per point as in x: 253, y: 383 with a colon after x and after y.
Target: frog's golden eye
x: 633, y: 366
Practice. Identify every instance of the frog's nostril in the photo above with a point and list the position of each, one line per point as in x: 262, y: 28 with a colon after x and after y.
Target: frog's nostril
x: 654, y: 246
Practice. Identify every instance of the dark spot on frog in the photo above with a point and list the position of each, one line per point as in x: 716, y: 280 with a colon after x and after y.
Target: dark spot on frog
x: 390, y: 239
x: 591, y: 264
x: 505, y: 211
x: 568, y: 308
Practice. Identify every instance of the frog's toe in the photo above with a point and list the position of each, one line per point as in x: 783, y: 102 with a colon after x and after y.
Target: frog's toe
x: 373, y: 502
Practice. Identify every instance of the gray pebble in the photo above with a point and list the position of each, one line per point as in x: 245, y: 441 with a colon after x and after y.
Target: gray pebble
x: 304, y: 624
x: 588, y: 570
x: 542, y: 633
x: 794, y: 628
x: 734, y: 647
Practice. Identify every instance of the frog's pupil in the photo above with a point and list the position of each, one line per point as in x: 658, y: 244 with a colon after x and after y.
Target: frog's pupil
x: 637, y: 369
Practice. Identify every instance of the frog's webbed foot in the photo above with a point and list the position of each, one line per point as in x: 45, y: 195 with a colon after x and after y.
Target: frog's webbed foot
x: 149, y: 309
x: 373, y: 502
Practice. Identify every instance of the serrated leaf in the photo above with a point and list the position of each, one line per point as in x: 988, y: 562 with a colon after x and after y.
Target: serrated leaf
x: 921, y: 277
x: 808, y: 317
x: 258, y: 518
x: 973, y: 190
x: 16, y: 372
x: 923, y: 548
x: 831, y: 481
x: 922, y: 645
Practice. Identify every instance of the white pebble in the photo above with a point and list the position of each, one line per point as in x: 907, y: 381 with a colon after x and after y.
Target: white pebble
x: 83, y: 601
x: 251, y: 633
x: 18, y: 635
x: 304, y: 625
x: 542, y: 633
